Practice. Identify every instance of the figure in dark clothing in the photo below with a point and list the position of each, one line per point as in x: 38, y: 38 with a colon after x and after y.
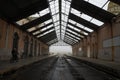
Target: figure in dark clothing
x: 14, y: 55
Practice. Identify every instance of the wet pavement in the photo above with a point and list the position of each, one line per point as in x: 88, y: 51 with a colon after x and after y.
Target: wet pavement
x: 60, y: 68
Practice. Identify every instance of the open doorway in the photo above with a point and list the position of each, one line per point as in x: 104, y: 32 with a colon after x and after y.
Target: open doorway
x: 60, y: 48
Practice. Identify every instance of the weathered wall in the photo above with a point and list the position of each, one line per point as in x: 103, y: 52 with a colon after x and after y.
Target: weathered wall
x: 102, y: 44
x: 6, y: 42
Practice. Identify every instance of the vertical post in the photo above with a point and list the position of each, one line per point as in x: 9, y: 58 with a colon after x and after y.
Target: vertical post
x: 112, y: 39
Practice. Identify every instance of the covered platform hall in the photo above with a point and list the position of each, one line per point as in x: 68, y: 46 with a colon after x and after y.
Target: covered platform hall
x: 60, y: 39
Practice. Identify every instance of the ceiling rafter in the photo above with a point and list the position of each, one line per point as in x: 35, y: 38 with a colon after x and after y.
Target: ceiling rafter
x: 83, y: 22
x: 69, y: 41
x: 70, y: 38
x: 44, y: 31
x: 92, y: 10
x: 76, y: 31
x: 48, y: 37
x: 38, y: 29
x: 36, y: 22
x: 78, y: 27
x: 74, y: 34
x: 55, y: 41
x: 21, y: 9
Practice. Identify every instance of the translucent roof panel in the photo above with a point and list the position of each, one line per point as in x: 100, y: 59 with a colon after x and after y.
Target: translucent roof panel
x: 73, y: 36
x: 54, y: 8
x: 31, y: 29
x: 41, y: 13
x: 45, y: 33
x: 86, y: 17
x: 80, y: 25
x: 33, y: 17
x: 64, y: 15
x: 97, y: 22
x: 40, y: 25
x: 75, y: 33
x: 46, y: 28
x: 75, y: 12
x: 99, y: 3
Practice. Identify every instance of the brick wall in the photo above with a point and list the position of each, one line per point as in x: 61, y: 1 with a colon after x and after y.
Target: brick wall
x: 6, y: 41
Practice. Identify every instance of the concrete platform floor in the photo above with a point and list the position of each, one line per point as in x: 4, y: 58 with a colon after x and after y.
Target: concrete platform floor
x: 6, y: 66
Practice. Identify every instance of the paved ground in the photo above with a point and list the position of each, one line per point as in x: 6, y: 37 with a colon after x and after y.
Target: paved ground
x: 60, y: 68
x: 90, y: 73
x: 112, y: 64
x: 6, y: 66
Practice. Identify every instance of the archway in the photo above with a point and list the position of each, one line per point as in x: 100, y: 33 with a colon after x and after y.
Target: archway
x: 31, y: 48
x: 15, y: 40
x: 26, y: 44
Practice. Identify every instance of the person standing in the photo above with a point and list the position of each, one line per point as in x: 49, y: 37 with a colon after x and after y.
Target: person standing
x: 14, y: 55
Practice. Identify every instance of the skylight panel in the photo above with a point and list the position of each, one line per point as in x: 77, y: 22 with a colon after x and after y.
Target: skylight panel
x: 33, y: 17
x: 70, y: 26
x: 49, y: 26
x: 63, y: 23
x: 57, y: 27
x: 86, y: 17
x: 84, y: 33
x: 97, y: 22
x: 80, y: 25
x: 73, y: 36
x: 56, y: 23
x: 75, y: 12
x: 37, y: 32
x: 45, y: 33
x: 23, y: 21
x: 48, y: 21
x: 31, y: 29
x: 98, y: 3
x: 88, y: 29
x: 44, y: 12
x: 72, y: 32
x: 63, y: 28
x: 71, y: 21
x: 76, y: 29
x: 65, y: 7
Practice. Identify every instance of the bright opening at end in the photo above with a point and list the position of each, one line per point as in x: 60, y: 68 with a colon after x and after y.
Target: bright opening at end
x: 60, y: 48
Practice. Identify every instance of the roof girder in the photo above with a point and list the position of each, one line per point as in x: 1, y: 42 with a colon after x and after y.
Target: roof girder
x: 44, y: 31
x: 83, y: 22
x: 73, y: 34
x: 36, y: 21
x: 79, y: 27
x: 41, y: 27
x: 76, y: 31
x: 92, y: 10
